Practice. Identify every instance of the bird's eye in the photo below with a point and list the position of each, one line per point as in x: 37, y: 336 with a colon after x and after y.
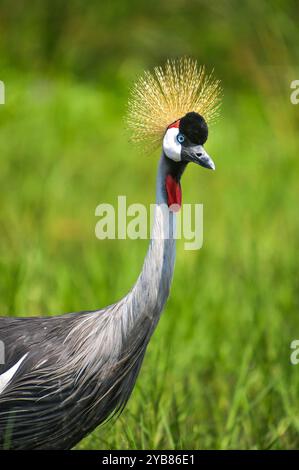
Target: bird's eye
x: 180, y: 138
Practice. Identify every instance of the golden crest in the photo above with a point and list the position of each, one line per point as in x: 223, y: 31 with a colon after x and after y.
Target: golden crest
x: 165, y: 95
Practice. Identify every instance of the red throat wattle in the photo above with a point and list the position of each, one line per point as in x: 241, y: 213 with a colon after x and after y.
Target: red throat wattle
x: 174, y: 193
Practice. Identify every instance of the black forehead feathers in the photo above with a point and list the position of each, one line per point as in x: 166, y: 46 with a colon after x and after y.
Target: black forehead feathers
x: 193, y: 126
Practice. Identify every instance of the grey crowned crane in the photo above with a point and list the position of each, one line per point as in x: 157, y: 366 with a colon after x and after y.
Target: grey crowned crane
x: 65, y: 375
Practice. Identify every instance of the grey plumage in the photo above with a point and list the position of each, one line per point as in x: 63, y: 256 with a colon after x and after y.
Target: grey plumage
x: 81, y: 367
x: 65, y: 375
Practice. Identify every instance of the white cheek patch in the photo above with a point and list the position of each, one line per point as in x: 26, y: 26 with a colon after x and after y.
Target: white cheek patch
x: 171, y: 146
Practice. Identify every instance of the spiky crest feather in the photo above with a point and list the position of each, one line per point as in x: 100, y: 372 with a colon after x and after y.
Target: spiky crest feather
x: 157, y: 99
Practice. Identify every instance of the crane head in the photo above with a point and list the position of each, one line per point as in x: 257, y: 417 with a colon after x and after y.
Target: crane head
x: 173, y: 105
x: 184, y: 139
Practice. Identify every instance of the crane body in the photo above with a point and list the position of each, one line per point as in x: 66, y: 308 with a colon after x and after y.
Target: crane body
x: 65, y: 375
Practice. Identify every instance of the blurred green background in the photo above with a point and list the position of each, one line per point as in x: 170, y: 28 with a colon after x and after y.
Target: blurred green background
x: 217, y: 373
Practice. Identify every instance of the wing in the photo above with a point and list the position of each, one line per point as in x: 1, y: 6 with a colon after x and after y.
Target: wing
x: 32, y: 336
x: 32, y: 349
x: 65, y: 375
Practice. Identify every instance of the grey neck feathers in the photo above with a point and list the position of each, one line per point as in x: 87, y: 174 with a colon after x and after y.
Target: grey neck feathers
x: 118, y: 335
x: 148, y: 296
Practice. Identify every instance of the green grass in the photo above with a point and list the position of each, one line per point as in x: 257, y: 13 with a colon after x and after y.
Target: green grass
x: 217, y: 373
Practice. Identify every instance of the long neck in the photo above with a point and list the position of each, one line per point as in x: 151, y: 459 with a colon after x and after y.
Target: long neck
x: 118, y: 336
x: 148, y: 296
